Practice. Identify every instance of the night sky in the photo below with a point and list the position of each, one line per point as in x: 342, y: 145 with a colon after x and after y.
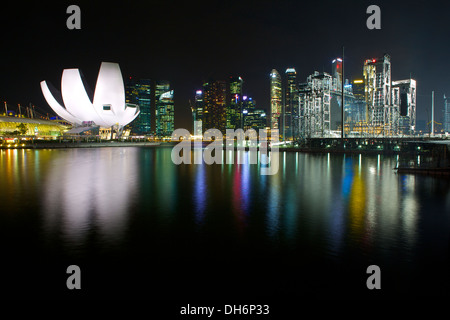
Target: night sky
x: 187, y: 42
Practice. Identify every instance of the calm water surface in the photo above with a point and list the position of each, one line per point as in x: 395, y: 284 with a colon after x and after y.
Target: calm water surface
x: 140, y: 226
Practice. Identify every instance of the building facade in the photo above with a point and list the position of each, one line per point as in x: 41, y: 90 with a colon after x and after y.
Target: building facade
x: 234, y: 106
x: 214, y: 105
x: 139, y: 92
x: 276, y: 100
x: 290, y: 129
x: 377, y: 79
x: 253, y: 118
x: 373, y: 105
x: 314, y: 105
x: 404, y: 102
x: 446, y: 115
x: 197, y: 108
x: 336, y: 72
x: 164, y: 109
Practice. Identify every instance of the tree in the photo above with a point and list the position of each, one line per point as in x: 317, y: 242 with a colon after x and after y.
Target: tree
x: 22, y: 129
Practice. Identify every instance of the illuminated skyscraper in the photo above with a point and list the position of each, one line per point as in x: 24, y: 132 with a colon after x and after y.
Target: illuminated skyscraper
x: 359, y: 106
x: 214, y: 105
x: 234, y: 107
x: 276, y: 100
x: 446, y: 114
x: 197, y: 108
x: 336, y: 73
x: 358, y: 89
x: 377, y: 78
x: 253, y: 118
x: 139, y: 92
x: 404, y: 99
x: 290, y: 129
x: 314, y: 102
x: 164, y: 109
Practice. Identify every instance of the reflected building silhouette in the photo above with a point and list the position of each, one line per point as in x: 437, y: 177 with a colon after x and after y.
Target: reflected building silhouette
x: 357, y: 204
x: 135, y: 205
x: 200, y: 196
x: 89, y: 188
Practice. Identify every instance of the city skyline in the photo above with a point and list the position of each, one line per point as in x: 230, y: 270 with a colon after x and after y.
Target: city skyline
x: 249, y: 43
x: 265, y: 152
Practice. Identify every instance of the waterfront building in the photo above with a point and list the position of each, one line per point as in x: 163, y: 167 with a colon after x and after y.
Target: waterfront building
x: 253, y: 118
x: 446, y: 115
x: 197, y: 108
x: 336, y: 73
x: 314, y: 105
x: 164, y: 109
x: 404, y: 100
x: 12, y: 126
x: 214, y: 105
x: 351, y: 106
x: 139, y: 92
x: 77, y: 105
x: 360, y: 105
x: 234, y: 107
x: 276, y: 100
x: 377, y: 78
x: 290, y: 129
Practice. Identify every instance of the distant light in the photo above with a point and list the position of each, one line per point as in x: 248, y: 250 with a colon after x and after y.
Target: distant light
x: 263, y: 114
x: 244, y: 97
x: 358, y: 81
x: 198, y: 92
x: 245, y: 112
x: 373, y: 60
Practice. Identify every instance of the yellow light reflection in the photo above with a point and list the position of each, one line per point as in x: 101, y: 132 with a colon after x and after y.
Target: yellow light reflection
x: 357, y: 203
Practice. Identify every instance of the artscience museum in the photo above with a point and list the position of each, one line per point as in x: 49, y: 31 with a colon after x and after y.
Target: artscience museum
x: 106, y: 107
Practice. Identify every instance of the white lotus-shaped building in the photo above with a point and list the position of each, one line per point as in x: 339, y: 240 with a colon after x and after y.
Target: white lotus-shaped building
x: 75, y: 104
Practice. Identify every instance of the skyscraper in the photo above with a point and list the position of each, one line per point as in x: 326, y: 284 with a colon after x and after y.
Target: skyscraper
x: 164, y: 109
x: 359, y: 102
x: 197, y: 108
x: 276, y: 100
x: 214, y: 105
x: 291, y: 105
x: 315, y: 115
x: 404, y: 99
x: 358, y: 89
x: 139, y: 92
x: 336, y: 73
x: 253, y: 118
x: 234, y: 107
x: 377, y: 78
x: 446, y: 114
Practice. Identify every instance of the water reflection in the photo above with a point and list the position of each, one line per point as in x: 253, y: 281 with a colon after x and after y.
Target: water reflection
x: 200, y: 195
x: 357, y: 204
x: 87, y: 190
x: 274, y: 205
x: 331, y: 203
